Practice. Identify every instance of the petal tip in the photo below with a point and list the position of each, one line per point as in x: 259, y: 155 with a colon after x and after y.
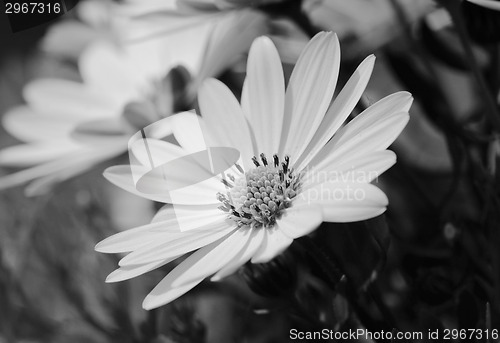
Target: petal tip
x: 149, y: 304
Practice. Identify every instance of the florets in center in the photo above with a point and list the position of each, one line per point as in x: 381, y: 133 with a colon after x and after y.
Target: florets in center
x: 258, y: 197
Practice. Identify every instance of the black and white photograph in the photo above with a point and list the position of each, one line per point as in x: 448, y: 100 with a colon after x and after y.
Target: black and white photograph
x: 249, y: 171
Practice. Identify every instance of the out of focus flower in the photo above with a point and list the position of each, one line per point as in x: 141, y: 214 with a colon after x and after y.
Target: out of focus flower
x: 71, y: 126
x: 94, y: 20
x: 491, y: 4
x: 297, y: 167
x: 368, y: 25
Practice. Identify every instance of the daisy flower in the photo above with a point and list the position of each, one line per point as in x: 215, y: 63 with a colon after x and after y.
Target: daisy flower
x: 70, y: 126
x: 297, y: 166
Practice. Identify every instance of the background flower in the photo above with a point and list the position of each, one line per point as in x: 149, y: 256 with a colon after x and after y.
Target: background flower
x: 72, y: 126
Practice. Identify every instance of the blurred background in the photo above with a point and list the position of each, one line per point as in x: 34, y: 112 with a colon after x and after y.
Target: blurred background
x: 431, y: 262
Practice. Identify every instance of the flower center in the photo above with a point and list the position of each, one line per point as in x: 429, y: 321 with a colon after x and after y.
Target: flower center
x: 258, y: 197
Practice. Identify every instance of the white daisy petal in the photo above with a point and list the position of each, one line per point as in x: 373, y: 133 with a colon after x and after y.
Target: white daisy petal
x: 264, y: 95
x: 202, y: 260
x: 300, y: 220
x: 186, y: 128
x: 346, y: 202
x: 68, y: 98
x: 198, y: 194
x: 274, y: 244
x: 178, y: 243
x: 309, y: 92
x: 27, y: 125
x: 226, y: 126
x: 155, y: 152
x: 136, y: 238
x: 206, y: 262
x: 362, y: 169
x: 59, y: 169
x: 492, y: 5
x: 164, y: 293
x: 351, y: 142
x: 104, y: 68
x: 255, y: 241
x: 25, y: 155
x: 231, y: 38
x: 129, y: 272
x: 391, y: 105
x: 340, y: 109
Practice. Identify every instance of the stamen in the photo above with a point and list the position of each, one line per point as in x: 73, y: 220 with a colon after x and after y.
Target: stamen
x: 220, y: 197
x: 284, y: 167
x: 258, y: 197
x: 264, y: 159
x: 239, y: 168
x: 276, y: 160
x: 227, y: 184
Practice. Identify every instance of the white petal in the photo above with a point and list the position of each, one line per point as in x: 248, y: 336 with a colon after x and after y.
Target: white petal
x: 384, y: 108
x: 264, y: 95
x: 225, y: 124
x: 206, y: 262
x: 178, y: 243
x: 27, y: 125
x: 138, y: 237
x: 164, y: 293
x: 105, y: 68
x: 187, y: 130
x: 198, y: 194
x: 493, y: 5
x: 25, y: 155
x: 346, y: 202
x: 231, y: 38
x: 355, y: 139
x: 274, y: 244
x: 129, y: 272
x: 69, y: 98
x: 362, y: 169
x: 255, y: 241
x: 340, y: 109
x: 309, y: 92
x: 300, y: 220
x: 196, y: 267
x: 154, y: 152
x: 56, y: 170
x: 159, y: 167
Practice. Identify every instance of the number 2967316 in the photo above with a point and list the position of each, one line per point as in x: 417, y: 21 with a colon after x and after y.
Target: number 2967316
x: 32, y: 8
